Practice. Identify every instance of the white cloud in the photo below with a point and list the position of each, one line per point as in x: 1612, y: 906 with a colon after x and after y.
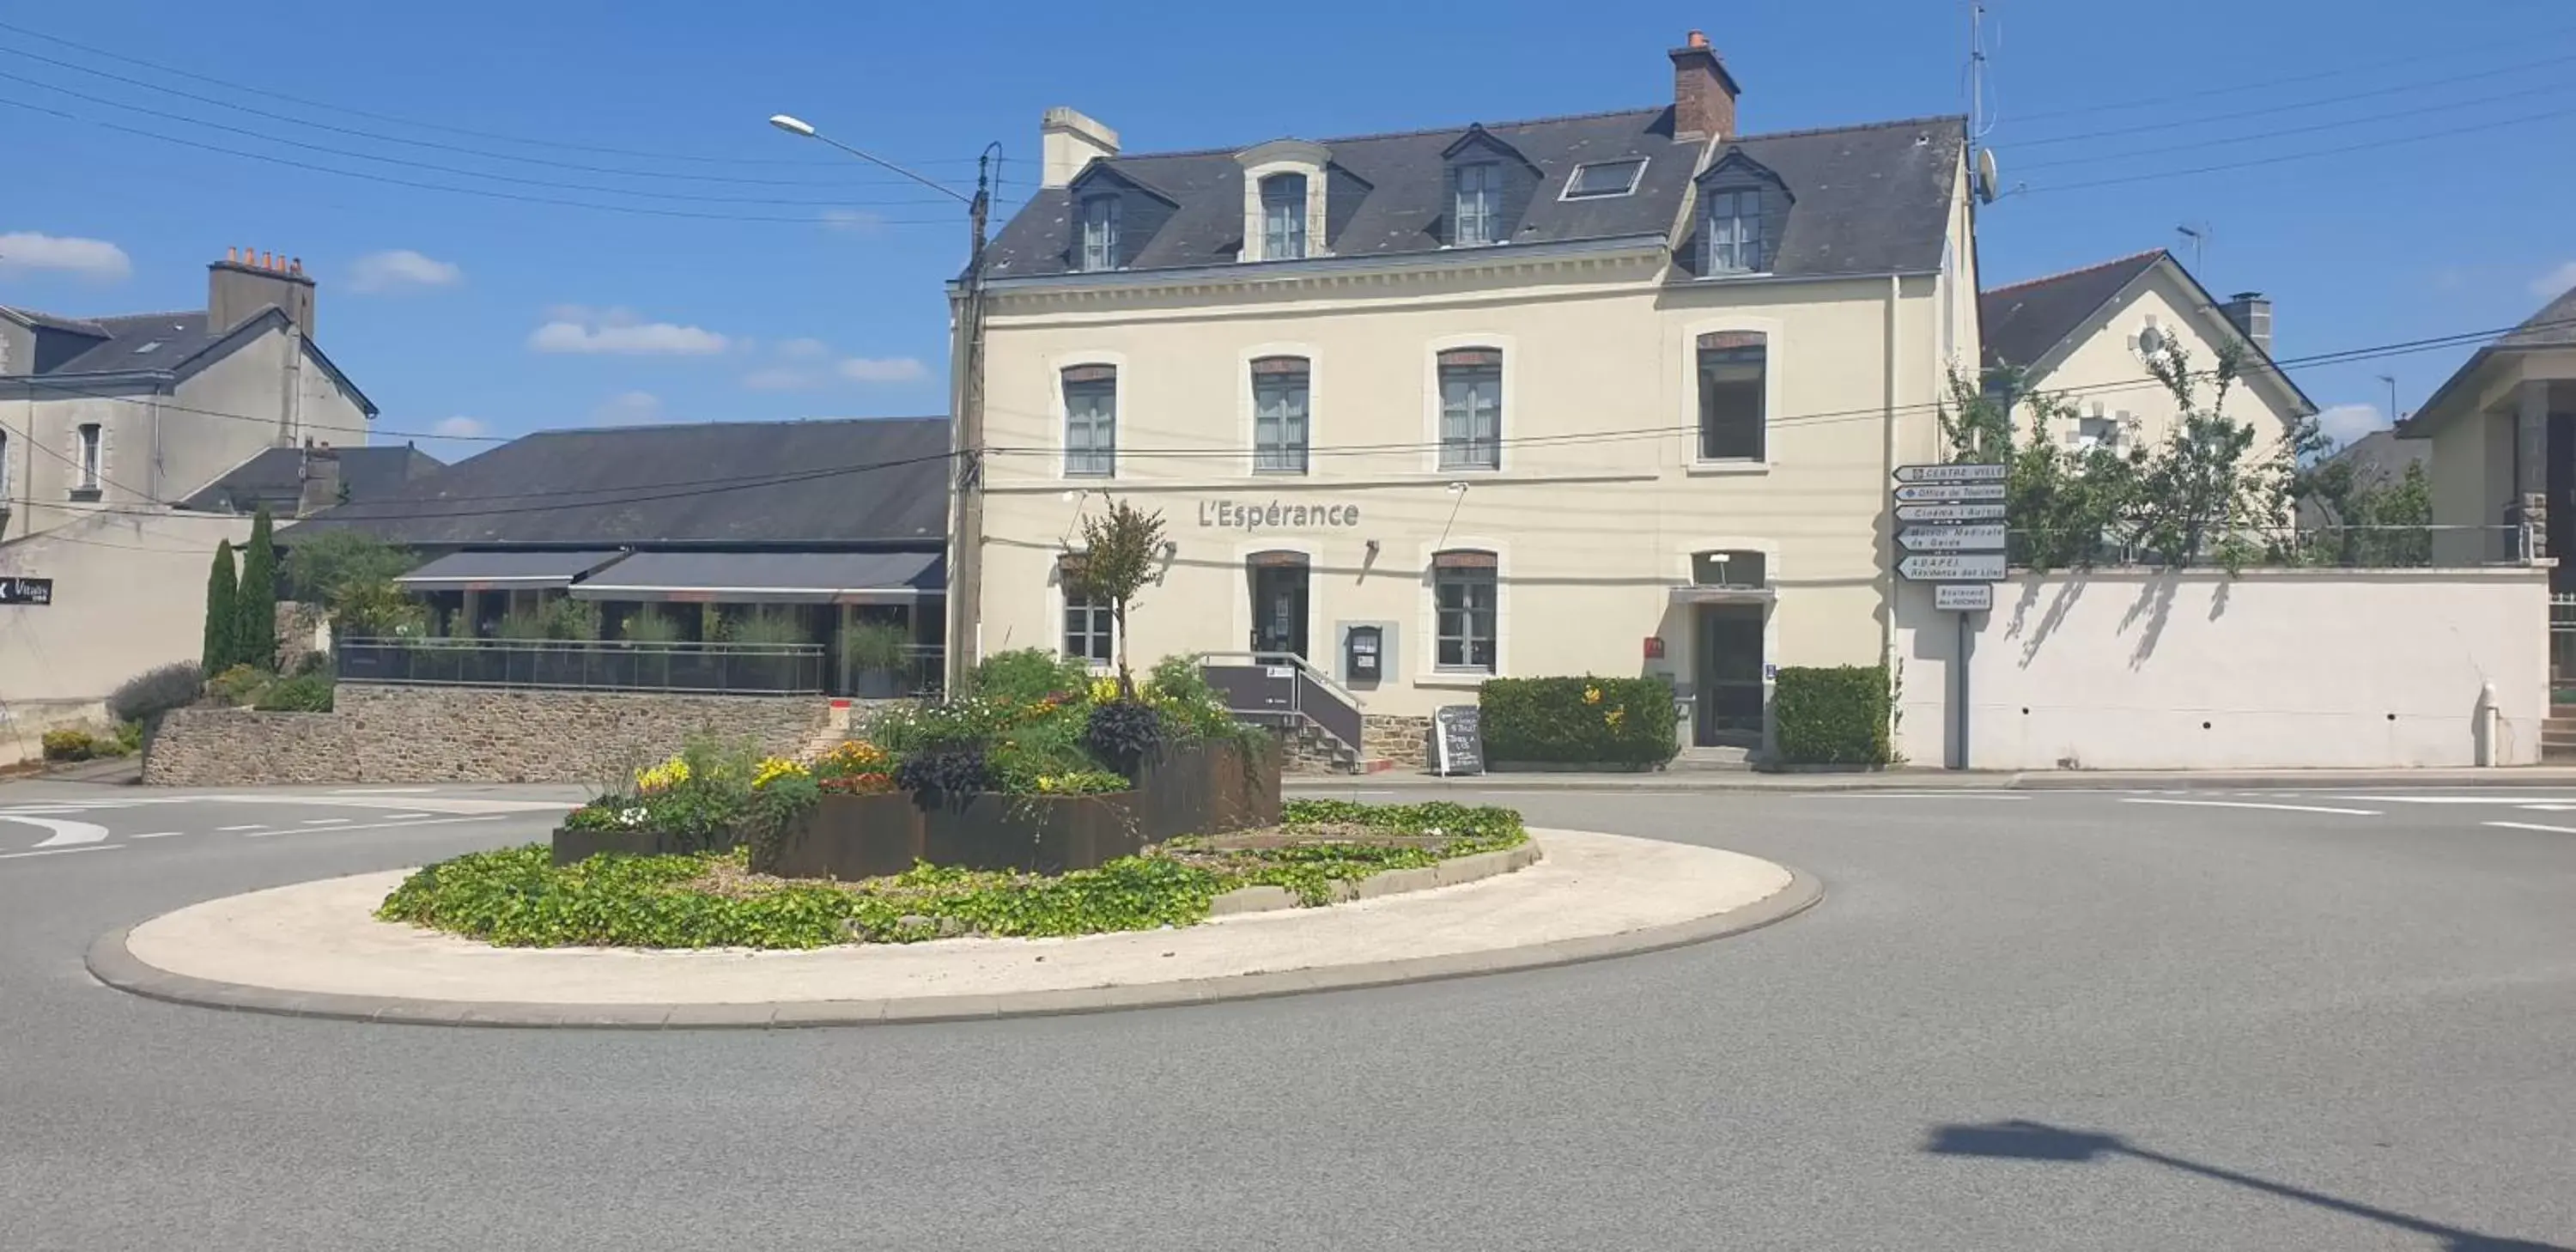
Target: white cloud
x: 2344, y: 423
x: 459, y: 427
x: 853, y: 221
x: 95, y: 259
x: 804, y: 349
x: 2548, y: 285
x: 892, y: 369
x: 628, y: 408
x: 617, y: 331
x: 401, y: 269
x: 782, y: 378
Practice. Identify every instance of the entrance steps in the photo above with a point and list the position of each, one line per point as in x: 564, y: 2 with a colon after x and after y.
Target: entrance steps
x: 1709, y: 761
x: 2558, y: 736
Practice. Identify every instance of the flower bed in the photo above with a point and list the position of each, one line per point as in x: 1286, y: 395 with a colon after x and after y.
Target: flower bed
x: 1043, y: 768
x: 519, y: 897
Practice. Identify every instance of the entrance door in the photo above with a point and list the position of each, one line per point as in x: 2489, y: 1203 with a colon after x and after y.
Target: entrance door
x: 1278, y: 581
x: 1730, y: 676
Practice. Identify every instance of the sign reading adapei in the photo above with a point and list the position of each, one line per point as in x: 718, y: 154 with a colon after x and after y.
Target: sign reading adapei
x: 1457, y: 740
x: 1956, y: 567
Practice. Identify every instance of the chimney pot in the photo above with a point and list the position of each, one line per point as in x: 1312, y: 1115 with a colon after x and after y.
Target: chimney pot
x: 295, y: 266
x: 1698, y: 39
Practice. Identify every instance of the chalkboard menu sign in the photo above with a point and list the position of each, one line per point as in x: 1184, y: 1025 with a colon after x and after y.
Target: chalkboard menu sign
x: 1457, y: 740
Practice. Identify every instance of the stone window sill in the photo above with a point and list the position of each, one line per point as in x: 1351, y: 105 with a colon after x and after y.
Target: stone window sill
x: 86, y: 495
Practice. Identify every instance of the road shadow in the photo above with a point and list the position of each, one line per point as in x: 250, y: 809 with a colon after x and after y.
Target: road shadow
x: 2037, y: 1141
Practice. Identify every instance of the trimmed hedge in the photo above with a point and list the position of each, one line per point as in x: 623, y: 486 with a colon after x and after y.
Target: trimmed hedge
x: 1832, y: 715
x: 1578, y: 721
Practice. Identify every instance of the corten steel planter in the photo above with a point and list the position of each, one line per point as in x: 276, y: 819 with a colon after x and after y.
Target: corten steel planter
x: 574, y: 845
x: 1194, y: 789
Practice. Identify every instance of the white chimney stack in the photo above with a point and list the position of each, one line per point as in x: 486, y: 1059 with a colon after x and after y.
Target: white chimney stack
x: 1067, y: 141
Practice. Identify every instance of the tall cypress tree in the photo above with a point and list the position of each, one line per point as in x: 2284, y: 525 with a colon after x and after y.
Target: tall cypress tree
x: 255, y: 621
x: 222, y: 613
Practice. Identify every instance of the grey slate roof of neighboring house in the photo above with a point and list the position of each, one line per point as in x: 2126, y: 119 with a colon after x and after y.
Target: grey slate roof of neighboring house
x: 865, y: 482
x: 2554, y: 326
x: 1867, y: 199
x: 276, y: 476
x: 2382, y: 456
x: 2022, y: 321
x: 144, y: 341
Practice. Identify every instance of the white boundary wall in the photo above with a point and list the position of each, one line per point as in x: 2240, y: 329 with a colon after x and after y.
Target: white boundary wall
x: 2137, y: 669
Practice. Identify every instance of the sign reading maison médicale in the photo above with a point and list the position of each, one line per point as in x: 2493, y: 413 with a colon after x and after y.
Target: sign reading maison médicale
x: 1273, y: 515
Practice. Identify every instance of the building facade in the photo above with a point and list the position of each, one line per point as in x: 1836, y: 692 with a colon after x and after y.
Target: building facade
x: 2502, y: 430
x: 1615, y: 394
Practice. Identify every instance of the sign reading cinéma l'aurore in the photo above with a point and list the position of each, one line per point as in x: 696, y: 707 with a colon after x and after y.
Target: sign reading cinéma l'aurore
x: 1273, y: 515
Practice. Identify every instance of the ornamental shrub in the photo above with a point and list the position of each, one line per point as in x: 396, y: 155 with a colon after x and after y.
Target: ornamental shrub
x: 1028, y: 675
x: 155, y: 691
x: 223, y: 612
x: 255, y: 603
x: 1832, y: 715
x: 306, y: 693
x: 1581, y: 721
x: 69, y: 745
x: 1122, y: 733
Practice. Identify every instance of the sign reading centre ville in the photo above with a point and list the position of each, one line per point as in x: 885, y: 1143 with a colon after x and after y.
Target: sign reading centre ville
x: 1951, y: 473
x: 1272, y: 515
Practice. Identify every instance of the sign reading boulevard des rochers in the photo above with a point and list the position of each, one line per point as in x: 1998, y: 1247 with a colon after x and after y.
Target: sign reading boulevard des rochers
x: 1955, y: 533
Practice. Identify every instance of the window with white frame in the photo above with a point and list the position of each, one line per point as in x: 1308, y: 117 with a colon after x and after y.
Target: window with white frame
x: 1091, y: 421
x: 1479, y: 208
x: 1100, y: 233
x: 1734, y: 232
x: 90, y: 452
x: 1463, y: 595
x: 1283, y: 217
x: 1279, y: 415
x: 1471, y: 408
x: 1734, y: 366
x: 1089, y: 627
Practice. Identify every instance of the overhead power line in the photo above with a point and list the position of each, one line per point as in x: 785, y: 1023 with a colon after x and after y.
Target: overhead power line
x: 2268, y: 83
x: 815, y: 219
x: 441, y: 127
x: 2373, y: 145
x: 2284, y: 132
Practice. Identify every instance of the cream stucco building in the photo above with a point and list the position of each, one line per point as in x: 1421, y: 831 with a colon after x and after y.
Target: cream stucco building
x: 2086, y: 334
x: 1615, y: 394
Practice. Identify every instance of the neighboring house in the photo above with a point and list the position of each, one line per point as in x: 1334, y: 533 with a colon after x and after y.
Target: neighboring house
x: 293, y: 482
x: 108, y: 427
x: 2503, y: 434
x: 1616, y: 394
x: 823, y: 523
x: 2085, y: 334
x: 2379, y: 459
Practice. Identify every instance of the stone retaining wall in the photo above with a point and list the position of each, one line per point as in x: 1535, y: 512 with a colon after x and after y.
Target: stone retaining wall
x: 1405, y: 741
x: 415, y: 734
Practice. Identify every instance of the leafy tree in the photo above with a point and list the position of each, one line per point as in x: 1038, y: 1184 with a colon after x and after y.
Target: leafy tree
x: 223, y: 591
x: 255, y: 617
x: 1121, y: 545
x: 319, y: 565
x: 2364, y: 517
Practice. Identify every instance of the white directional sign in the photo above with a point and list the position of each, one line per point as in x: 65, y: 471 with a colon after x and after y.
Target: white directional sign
x: 1950, y: 512
x: 1963, y: 597
x: 1952, y: 538
x: 1950, y: 473
x: 1951, y: 491
x: 1963, y: 567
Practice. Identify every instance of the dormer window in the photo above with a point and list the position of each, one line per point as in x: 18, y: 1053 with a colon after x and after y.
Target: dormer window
x: 1734, y: 232
x: 1100, y: 233
x: 1479, y: 208
x: 1602, y: 179
x: 1283, y: 217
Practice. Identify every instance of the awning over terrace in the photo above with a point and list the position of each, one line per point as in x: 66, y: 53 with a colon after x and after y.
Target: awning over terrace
x: 771, y: 578
x: 503, y: 571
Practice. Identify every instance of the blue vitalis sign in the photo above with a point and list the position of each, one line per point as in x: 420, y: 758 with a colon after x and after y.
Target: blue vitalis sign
x: 1255, y: 515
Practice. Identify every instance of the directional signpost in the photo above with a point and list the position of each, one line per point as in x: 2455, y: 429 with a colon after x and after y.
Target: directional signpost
x: 1954, y: 527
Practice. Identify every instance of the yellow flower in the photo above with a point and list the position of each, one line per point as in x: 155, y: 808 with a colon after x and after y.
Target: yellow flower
x: 1592, y: 695
x: 1104, y: 690
x: 662, y: 777
x: 771, y: 769
x: 1612, y: 718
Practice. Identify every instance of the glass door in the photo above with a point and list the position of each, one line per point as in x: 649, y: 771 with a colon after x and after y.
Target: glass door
x: 1278, y: 581
x: 1730, y: 675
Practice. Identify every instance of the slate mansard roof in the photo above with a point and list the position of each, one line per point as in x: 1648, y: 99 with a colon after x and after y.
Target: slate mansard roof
x: 1863, y: 199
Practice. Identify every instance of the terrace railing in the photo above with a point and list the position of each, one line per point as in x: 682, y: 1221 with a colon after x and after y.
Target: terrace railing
x: 586, y: 665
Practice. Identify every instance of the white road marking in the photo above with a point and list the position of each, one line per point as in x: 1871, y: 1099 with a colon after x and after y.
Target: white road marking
x: 65, y: 831
x: 381, y: 791
x: 2555, y: 830
x: 2524, y: 801
x: 1919, y: 795
x: 2248, y: 804
x: 159, y: 834
x: 226, y: 830
x: 398, y: 817
x: 335, y: 830
x: 326, y: 821
x: 87, y: 847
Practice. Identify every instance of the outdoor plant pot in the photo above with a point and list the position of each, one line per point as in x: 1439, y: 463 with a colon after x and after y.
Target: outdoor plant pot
x: 877, y: 684
x: 1195, y: 789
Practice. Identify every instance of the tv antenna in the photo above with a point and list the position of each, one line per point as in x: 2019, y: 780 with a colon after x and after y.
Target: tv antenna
x: 2198, y: 233
x: 1983, y: 179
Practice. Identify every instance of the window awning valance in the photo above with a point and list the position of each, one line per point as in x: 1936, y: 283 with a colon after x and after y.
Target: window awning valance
x: 771, y: 578
x: 504, y: 571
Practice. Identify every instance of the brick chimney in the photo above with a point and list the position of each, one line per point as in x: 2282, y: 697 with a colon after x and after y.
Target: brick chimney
x: 1067, y: 141
x: 246, y: 281
x: 2252, y: 313
x: 1703, y: 92
x: 321, y: 475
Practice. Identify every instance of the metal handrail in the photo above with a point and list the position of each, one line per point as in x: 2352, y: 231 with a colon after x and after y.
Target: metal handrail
x: 1322, y: 679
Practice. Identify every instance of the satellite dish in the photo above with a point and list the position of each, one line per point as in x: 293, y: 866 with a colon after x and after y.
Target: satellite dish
x: 1986, y: 176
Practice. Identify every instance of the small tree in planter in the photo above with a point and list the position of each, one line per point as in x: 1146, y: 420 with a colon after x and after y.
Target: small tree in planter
x: 1120, y: 546
x: 874, y: 654
x: 223, y: 613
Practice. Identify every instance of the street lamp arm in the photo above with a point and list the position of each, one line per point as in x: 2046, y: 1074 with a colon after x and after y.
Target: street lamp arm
x: 942, y: 188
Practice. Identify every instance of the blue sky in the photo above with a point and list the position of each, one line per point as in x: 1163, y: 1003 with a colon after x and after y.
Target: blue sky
x: 474, y: 313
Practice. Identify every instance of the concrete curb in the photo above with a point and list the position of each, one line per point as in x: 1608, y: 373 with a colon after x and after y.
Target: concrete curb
x: 111, y: 963
x: 1691, y: 782
x: 1449, y: 873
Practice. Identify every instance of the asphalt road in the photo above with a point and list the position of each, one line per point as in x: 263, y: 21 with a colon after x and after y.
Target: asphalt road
x: 2045, y: 1020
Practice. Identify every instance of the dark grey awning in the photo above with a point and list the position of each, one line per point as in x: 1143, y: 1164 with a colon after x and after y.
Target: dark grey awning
x: 771, y: 577
x: 503, y: 571
x: 1704, y: 593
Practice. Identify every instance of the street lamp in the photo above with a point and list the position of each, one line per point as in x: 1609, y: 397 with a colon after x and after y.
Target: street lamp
x: 966, y: 402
